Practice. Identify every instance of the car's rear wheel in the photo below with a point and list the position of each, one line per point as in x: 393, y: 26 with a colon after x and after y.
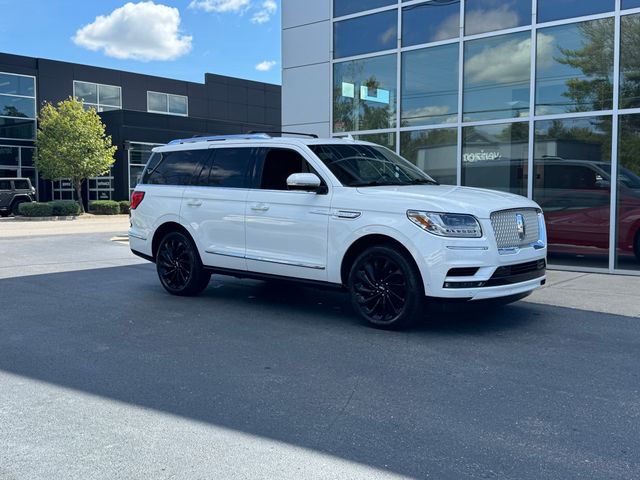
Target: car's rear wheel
x: 179, y: 266
x: 15, y: 208
x: 385, y: 288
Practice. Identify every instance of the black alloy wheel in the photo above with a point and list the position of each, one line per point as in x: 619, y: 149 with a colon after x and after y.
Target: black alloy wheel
x: 179, y: 266
x: 385, y: 288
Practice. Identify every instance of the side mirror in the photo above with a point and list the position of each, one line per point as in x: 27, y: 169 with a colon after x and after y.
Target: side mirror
x: 307, y: 182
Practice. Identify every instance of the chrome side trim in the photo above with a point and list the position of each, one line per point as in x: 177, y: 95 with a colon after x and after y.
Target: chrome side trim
x: 346, y: 214
x: 286, y: 262
x: 225, y: 254
x: 467, y: 248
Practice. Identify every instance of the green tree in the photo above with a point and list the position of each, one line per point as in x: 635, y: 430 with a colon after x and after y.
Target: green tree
x: 71, y: 143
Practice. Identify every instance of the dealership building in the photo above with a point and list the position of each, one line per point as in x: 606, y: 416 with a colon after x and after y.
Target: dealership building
x: 535, y: 97
x: 139, y: 111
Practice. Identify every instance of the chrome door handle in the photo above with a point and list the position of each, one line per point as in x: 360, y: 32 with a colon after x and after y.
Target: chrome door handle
x: 194, y: 203
x: 260, y: 207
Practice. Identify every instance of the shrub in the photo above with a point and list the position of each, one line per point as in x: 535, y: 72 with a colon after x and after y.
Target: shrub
x: 104, y: 207
x: 125, y: 206
x: 36, y: 209
x: 65, y: 208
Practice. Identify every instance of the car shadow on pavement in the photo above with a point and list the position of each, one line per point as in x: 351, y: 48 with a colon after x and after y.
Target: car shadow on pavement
x: 293, y: 364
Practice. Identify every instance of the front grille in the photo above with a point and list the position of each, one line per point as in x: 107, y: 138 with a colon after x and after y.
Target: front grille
x: 505, y: 227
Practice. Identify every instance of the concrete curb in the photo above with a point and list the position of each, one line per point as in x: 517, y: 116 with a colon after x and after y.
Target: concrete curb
x: 45, y: 219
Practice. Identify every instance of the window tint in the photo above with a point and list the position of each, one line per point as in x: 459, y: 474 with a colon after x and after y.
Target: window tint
x: 346, y: 7
x: 279, y: 163
x: 174, y: 168
x: 228, y: 168
x: 549, y: 10
x: 21, y: 184
x: 371, y: 33
x: 5, y: 185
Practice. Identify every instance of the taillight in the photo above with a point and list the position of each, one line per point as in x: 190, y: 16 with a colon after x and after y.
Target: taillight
x: 136, y: 199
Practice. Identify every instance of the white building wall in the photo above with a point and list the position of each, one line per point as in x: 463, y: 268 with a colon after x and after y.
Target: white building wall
x: 306, y: 66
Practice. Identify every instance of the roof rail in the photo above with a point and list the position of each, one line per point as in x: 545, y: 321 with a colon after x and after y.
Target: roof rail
x: 312, y: 135
x: 220, y: 138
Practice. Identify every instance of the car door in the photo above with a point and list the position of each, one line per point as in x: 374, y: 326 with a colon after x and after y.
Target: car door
x: 286, y: 230
x: 6, y: 193
x: 214, y: 206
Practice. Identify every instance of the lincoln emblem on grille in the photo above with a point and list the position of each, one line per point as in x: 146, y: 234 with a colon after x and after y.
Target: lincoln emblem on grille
x: 520, y: 226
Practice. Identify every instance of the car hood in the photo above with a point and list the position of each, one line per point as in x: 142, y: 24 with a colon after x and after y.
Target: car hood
x: 447, y: 198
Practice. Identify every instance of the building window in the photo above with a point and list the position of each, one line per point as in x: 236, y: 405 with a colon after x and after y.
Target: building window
x: 629, y: 65
x: 434, y: 151
x: 630, y: 4
x: 18, y: 162
x: 628, y: 201
x: 101, y: 188
x: 574, y: 67
x: 497, y: 77
x: 430, y: 86
x: 495, y: 157
x: 17, y: 107
x: 430, y: 22
x: 368, y: 34
x: 167, y: 103
x: 572, y: 184
x: 138, y: 156
x: 101, y: 98
x: 385, y: 139
x: 364, y: 94
x: 488, y: 15
x: 549, y: 10
x: 347, y: 7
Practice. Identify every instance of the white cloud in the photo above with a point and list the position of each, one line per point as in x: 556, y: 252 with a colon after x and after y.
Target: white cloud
x: 220, y: 6
x: 266, y: 65
x: 263, y: 15
x: 139, y: 31
x: 490, y: 20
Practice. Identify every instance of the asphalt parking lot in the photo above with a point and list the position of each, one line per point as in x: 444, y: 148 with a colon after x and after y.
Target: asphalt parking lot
x: 103, y: 375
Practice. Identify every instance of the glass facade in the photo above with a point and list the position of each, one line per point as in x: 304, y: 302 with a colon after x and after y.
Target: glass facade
x: 100, y: 97
x: 167, y: 103
x: 18, y: 162
x: 17, y: 107
x: 532, y: 97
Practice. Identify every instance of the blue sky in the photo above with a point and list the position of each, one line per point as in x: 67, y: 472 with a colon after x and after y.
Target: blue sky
x: 180, y: 39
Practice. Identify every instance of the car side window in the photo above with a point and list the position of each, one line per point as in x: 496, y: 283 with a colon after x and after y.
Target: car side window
x: 279, y: 164
x: 21, y: 184
x: 174, y: 168
x: 228, y: 168
x: 5, y: 185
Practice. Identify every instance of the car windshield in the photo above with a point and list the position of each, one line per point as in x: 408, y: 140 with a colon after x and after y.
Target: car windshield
x: 361, y: 165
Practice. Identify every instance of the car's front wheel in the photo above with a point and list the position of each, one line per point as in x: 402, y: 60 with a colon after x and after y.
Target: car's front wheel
x: 179, y: 266
x: 385, y: 288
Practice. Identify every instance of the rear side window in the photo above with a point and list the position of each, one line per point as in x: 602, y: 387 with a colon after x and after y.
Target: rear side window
x: 5, y: 185
x: 278, y: 164
x: 174, y: 168
x: 227, y: 167
x: 21, y: 185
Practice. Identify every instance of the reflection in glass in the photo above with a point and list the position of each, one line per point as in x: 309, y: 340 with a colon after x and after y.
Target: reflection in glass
x: 346, y: 7
x: 109, y: 96
x: 9, y: 155
x: 430, y: 86
x: 368, y: 34
x: 385, y: 139
x: 495, y: 156
x: 87, y: 92
x: 630, y: 3
x: 26, y: 156
x: 177, y: 104
x: 157, y: 102
x: 549, y: 10
x: 364, y: 94
x: 17, y: 85
x: 430, y: 22
x: 629, y: 61
x: 489, y: 15
x: 572, y: 184
x: 628, y: 204
x: 17, y: 106
x: 17, y: 128
x: 433, y: 151
x: 497, y: 77
x: 575, y: 67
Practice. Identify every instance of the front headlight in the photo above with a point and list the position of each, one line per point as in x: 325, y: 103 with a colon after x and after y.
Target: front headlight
x: 447, y: 224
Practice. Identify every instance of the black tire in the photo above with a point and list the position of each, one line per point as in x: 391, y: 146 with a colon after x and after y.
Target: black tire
x: 15, y: 207
x: 179, y: 266
x: 386, y: 289
x: 636, y: 246
x: 4, y: 214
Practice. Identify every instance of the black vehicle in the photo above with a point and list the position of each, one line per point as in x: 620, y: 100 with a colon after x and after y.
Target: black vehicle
x: 13, y: 192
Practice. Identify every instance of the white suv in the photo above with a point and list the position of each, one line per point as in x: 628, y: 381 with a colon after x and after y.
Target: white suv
x: 344, y: 213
